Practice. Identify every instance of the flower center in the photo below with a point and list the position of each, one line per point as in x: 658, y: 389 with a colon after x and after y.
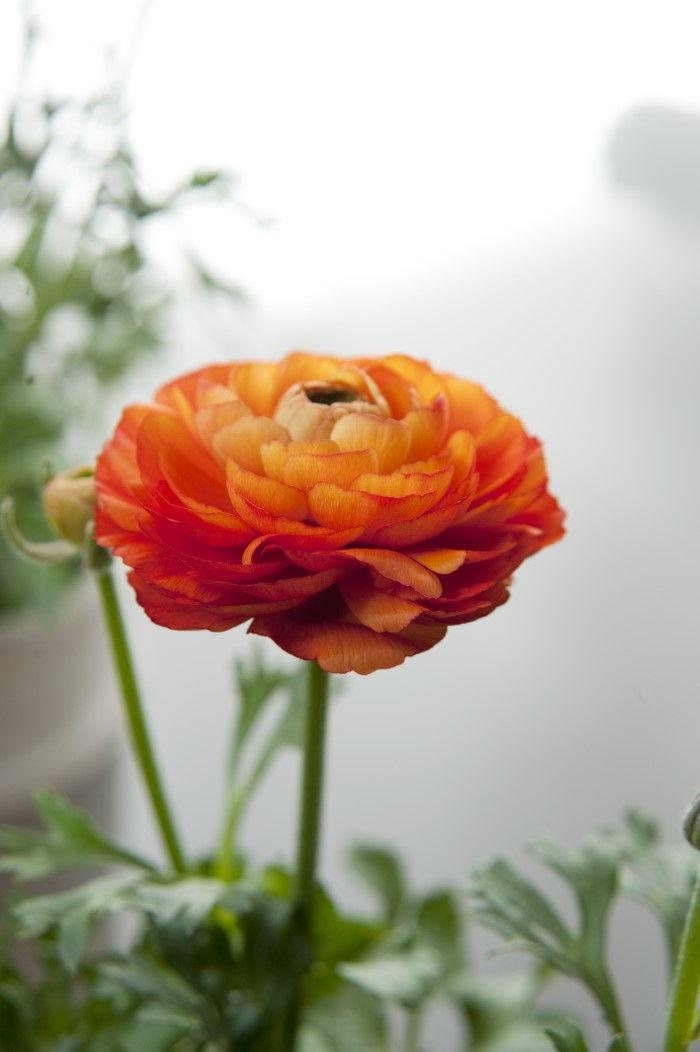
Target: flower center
x: 331, y: 395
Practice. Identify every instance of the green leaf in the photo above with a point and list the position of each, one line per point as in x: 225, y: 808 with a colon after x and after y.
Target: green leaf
x: 566, y: 1037
x: 187, y: 902
x: 70, y: 841
x: 405, y: 977
x: 73, y: 913
x: 499, y: 882
x: 381, y: 871
x: 440, y: 928
x: 348, y: 1021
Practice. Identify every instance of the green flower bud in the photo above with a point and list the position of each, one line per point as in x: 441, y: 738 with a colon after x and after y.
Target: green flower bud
x: 69, y: 503
x: 691, y: 823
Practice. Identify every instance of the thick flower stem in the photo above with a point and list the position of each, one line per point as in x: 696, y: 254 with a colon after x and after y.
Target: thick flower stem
x: 135, y: 717
x: 310, y: 822
x: 311, y: 786
x: 686, y: 981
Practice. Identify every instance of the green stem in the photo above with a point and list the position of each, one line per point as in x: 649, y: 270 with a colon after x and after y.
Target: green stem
x: 686, y: 980
x: 135, y: 717
x: 311, y: 788
x: 309, y: 825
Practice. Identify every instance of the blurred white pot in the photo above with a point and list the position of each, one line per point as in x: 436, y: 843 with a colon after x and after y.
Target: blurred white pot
x: 58, y: 715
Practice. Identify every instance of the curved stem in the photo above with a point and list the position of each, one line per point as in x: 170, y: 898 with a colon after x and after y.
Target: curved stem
x: 686, y: 980
x: 135, y: 718
x: 309, y: 824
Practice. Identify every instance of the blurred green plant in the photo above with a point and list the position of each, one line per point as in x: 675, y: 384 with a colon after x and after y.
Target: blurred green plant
x: 81, y: 298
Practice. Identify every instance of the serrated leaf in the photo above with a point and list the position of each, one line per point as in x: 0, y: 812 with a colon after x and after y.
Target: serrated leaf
x: 73, y: 913
x: 382, y: 872
x: 405, y: 977
x: 500, y: 882
x: 69, y: 841
x: 187, y: 902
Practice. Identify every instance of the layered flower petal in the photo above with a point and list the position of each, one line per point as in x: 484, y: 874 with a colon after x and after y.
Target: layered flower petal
x: 348, y: 509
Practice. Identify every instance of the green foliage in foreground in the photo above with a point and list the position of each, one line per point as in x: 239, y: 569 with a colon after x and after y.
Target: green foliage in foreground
x: 216, y: 953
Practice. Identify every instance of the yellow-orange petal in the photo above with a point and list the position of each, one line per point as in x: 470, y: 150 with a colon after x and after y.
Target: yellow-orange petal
x: 439, y: 560
x: 428, y: 427
x: 378, y: 610
x: 339, y: 508
x: 463, y: 452
x: 274, y: 455
x: 268, y: 494
x: 390, y: 439
x: 242, y: 441
x: 304, y: 470
x: 398, y: 484
x: 400, y: 396
x: 256, y: 385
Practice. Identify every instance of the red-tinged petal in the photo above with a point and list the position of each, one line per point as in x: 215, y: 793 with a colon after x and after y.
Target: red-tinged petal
x: 396, y: 566
x: 274, y: 455
x: 183, y: 614
x: 342, y: 647
x: 242, y: 441
x: 377, y: 610
x: 501, y: 450
x: 417, y: 531
x: 273, y: 497
x: 185, y: 389
x: 306, y: 469
x: 389, y: 439
x: 211, y: 419
x: 165, y: 450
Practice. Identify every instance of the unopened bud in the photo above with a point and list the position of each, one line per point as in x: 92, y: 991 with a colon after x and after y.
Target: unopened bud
x: 691, y: 823
x: 69, y: 503
x: 310, y: 410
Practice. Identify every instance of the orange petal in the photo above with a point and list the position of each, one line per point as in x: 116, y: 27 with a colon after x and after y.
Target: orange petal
x: 341, y: 647
x: 396, y: 566
x: 427, y: 384
x: 470, y: 406
x: 242, y: 441
x: 306, y: 469
x: 209, y: 420
x: 256, y: 385
x: 463, y: 450
x: 339, y: 509
x: 428, y: 429
x: 268, y: 494
x: 274, y: 455
x: 378, y: 610
x: 390, y: 439
x: 399, y: 394
x: 439, y: 560
x: 399, y: 484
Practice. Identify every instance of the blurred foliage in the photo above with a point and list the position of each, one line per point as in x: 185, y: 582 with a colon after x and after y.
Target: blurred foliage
x: 81, y: 299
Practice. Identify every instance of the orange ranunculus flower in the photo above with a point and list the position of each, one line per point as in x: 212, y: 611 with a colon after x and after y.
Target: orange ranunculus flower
x: 352, y: 509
